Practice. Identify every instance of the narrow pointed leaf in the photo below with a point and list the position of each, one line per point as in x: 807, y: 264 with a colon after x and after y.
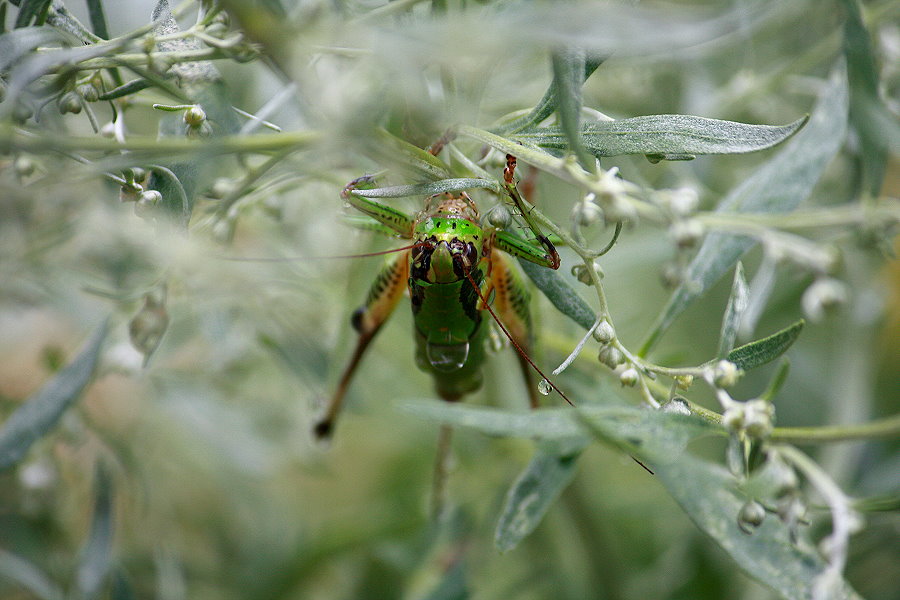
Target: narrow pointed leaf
x: 666, y: 137
x: 560, y: 294
x: 711, y: 497
x: 95, y: 556
x: 32, y: 12
x: 568, y: 78
x: 778, y: 186
x: 536, y: 489
x: 40, y: 413
x: 734, y: 311
x: 755, y: 354
x: 29, y: 576
x: 548, y: 103
x: 868, y: 115
x: 98, y: 18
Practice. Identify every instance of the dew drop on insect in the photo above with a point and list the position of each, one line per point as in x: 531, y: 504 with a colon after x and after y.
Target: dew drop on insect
x: 447, y: 358
x: 544, y: 387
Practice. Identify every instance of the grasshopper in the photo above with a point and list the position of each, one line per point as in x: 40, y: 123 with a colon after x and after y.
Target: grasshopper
x: 455, y: 269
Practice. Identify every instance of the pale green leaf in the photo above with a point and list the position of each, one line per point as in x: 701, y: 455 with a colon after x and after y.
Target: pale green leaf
x: 40, y: 413
x: 670, y: 137
x: 536, y: 489
x: 560, y: 294
x: 778, y: 186
x: 734, y: 311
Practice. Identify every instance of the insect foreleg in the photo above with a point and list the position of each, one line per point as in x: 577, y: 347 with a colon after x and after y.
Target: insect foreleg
x: 383, y: 296
x: 549, y: 257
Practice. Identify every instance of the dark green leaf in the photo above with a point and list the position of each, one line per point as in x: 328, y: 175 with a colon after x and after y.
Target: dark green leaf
x: 568, y: 78
x: 665, y: 136
x: 547, y: 105
x: 32, y: 12
x: 539, y: 485
x: 98, y: 18
x: 40, y: 413
x: 755, y: 354
x: 776, y: 187
x: 95, y: 563
x: 121, y: 587
x: 737, y: 303
x: 867, y: 111
x: 560, y: 294
x: 29, y: 576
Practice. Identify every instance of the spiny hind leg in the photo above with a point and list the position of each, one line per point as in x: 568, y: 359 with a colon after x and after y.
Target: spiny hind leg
x: 511, y: 300
x: 386, y: 291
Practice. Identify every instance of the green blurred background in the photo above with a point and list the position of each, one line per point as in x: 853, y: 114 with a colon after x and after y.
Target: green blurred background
x: 220, y: 492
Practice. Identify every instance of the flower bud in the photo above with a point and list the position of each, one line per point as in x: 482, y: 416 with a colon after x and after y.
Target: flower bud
x: 144, y: 207
x: 686, y: 233
x: 725, y: 374
x: 586, y: 213
x: 195, y: 116
x: 581, y: 273
x: 629, y: 377
x: 611, y: 356
x: 751, y: 516
x: 758, y: 418
x: 88, y: 92
x: 684, y: 381
x: 23, y: 166
x: 604, y: 333
x: 70, y: 102
x: 822, y: 297
x: 499, y: 217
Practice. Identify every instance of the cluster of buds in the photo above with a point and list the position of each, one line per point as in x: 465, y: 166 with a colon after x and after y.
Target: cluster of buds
x: 754, y: 418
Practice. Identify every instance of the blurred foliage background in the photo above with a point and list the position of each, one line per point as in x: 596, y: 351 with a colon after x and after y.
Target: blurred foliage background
x: 217, y: 489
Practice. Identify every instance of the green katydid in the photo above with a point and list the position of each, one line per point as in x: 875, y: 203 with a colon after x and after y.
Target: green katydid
x: 454, y: 271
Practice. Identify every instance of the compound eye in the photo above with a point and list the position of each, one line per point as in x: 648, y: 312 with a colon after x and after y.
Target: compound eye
x: 471, y: 254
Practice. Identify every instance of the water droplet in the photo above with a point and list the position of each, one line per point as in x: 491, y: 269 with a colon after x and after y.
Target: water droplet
x: 544, y: 387
x: 447, y: 358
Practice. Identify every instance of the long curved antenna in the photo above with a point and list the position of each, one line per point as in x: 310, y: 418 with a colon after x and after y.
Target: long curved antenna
x: 297, y: 258
x: 515, y: 344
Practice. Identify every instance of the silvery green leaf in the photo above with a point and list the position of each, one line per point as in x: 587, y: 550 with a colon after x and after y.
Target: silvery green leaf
x: 757, y: 353
x: 95, y: 556
x: 536, y: 489
x: 40, y: 413
x: 560, y: 293
x: 778, y: 186
x: 734, y: 311
x: 668, y: 137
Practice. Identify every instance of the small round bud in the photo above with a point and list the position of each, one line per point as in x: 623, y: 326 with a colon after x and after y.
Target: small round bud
x: 758, y: 418
x: 70, y: 102
x: 604, y: 333
x: 620, y: 209
x: 23, y: 166
x: 223, y: 231
x: 88, y: 92
x: 149, y: 324
x: 581, y: 273
x: 499, y: 217
x: 686, y: 233
x: 108, y: 130
x: 610, y: 356
x: 221, y: 188
x: 629, y: 377
x: 684, y: 381
x: 671, y: 275
x: 751, y: 516
x: 147, y: 203
x: 733, y: 417
x: 195, y: 116
x: 822, y: 297
x: 725, y: 374
x: 586, y: 213
x: 682, y: 201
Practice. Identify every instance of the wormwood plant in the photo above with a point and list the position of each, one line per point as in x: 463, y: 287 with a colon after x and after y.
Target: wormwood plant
x: 136, y: 158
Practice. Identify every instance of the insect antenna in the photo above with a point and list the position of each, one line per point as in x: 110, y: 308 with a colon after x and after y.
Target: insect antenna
x: 338, y: 257
x: 515, y: 344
